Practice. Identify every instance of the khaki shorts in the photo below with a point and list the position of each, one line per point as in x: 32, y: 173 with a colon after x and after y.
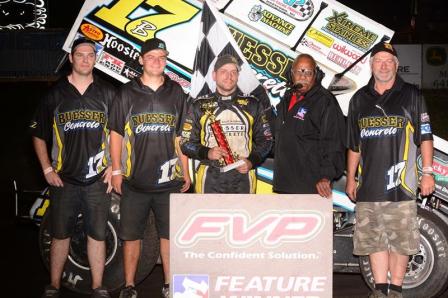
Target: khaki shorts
x: 386, y: 226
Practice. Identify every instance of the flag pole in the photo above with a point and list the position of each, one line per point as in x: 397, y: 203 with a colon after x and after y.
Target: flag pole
x: 323, y: 5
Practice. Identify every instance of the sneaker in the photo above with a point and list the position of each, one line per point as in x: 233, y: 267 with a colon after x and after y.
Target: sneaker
x: 395, y: 294
x: 377, y: 294
x: 100, y: 292
x: 50, y: 292
x: 128, y: 292
x: 166, y: 292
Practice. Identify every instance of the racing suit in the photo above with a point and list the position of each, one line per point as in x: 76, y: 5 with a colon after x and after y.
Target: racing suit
x: 247, y: 131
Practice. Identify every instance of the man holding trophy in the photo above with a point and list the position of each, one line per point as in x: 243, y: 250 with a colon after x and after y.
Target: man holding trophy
x: 228, y: 133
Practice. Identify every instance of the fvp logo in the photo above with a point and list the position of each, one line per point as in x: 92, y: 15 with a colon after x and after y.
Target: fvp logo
x: 190, y: 286
x: 271, y: 228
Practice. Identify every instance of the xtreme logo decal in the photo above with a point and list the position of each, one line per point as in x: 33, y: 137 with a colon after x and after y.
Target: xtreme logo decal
x: 271, y: 228
x: 340, y: 26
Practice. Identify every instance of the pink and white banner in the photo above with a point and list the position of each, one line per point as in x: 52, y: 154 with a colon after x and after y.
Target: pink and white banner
x: 228, y: 245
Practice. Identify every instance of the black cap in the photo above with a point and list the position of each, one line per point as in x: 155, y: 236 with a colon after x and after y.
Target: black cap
x: 153, y: 44
x: 226, y: 59
x: 83, y: 40
x: 383, y: 47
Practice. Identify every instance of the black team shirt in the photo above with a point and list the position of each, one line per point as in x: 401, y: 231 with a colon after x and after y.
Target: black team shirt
x: 387, y: 130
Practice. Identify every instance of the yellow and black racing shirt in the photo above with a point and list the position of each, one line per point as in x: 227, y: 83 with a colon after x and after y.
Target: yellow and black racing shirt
x: 387, y: 130
x: 149, y: 121
x: 75, y: 124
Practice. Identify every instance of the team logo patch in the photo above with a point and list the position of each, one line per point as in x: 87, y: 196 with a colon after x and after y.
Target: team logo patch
x: 424, y: 117
x: 425, y: 128
x: 187, y: 286
x: 242, y: 102
x: 301, y: 113
x: 187, y: 126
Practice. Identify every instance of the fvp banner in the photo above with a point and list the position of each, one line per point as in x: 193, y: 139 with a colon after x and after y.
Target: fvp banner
x: 228, y: 245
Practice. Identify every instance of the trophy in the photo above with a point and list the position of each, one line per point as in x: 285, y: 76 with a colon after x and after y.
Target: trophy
x: 231, y: 160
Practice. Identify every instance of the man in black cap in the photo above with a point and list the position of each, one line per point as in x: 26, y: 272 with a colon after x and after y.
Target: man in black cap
x: 73, y: 116
x: 243, y: 125
x: 387, y: 124
x: 147, y: 164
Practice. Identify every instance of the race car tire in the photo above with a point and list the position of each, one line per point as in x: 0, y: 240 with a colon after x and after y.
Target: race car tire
x: 427, y: 272
x: 76, y: 275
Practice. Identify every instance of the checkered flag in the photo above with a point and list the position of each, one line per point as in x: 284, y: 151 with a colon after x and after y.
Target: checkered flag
x: 306, y: 9
x: 216, y: 40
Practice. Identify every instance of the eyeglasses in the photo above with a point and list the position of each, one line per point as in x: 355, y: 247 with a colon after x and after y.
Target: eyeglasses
x: 303, y: 72
x: 152, y: 58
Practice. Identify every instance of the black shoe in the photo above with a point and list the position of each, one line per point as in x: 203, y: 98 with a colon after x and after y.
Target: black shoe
x: 100, y: 292
x: 50, y: 292
x: 128, y: 292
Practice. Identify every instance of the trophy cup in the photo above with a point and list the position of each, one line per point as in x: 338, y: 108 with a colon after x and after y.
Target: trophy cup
x: 231, y: 160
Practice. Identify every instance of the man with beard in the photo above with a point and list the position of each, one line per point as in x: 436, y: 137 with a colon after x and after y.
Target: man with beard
x: 387, y: 122
x: 309, y: 134
x: 244, y: 126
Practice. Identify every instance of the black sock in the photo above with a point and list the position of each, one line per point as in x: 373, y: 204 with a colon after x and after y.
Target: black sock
x: 382, y: 287
x: 166, y: 286
x: 395, y: 288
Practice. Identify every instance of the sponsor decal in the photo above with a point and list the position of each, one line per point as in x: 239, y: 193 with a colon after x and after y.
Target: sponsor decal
x: 312, y: 45
x: 343, y: 49
x: 111, y: 62
x: 424, y: 117
x: 230, y: 128
x: 267, y: 133
x: 187, y: 126
x: 92, y: 31
x: 130, y: 73
x: 81, y: 119
x: 300, y: 10
x: 374, y: 127
x: 342, y: 62
x: 153, y: 122
x: 271, y: 228
x: 242, y: 102
x: 87, y: 115
x: 425, y: 128
x: 272, y: 20
x: 320, y: 37
x: 118, y: 16
x: 111, y: 42
x: 436, y: 56
x: 340, y: 26
x: 190, y: 285
x: 439, y: 167
x: 186, y: 134
x: 440, y: 170
x: 301, y: 113
x: 271, y: 66
x: 184, y: 83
